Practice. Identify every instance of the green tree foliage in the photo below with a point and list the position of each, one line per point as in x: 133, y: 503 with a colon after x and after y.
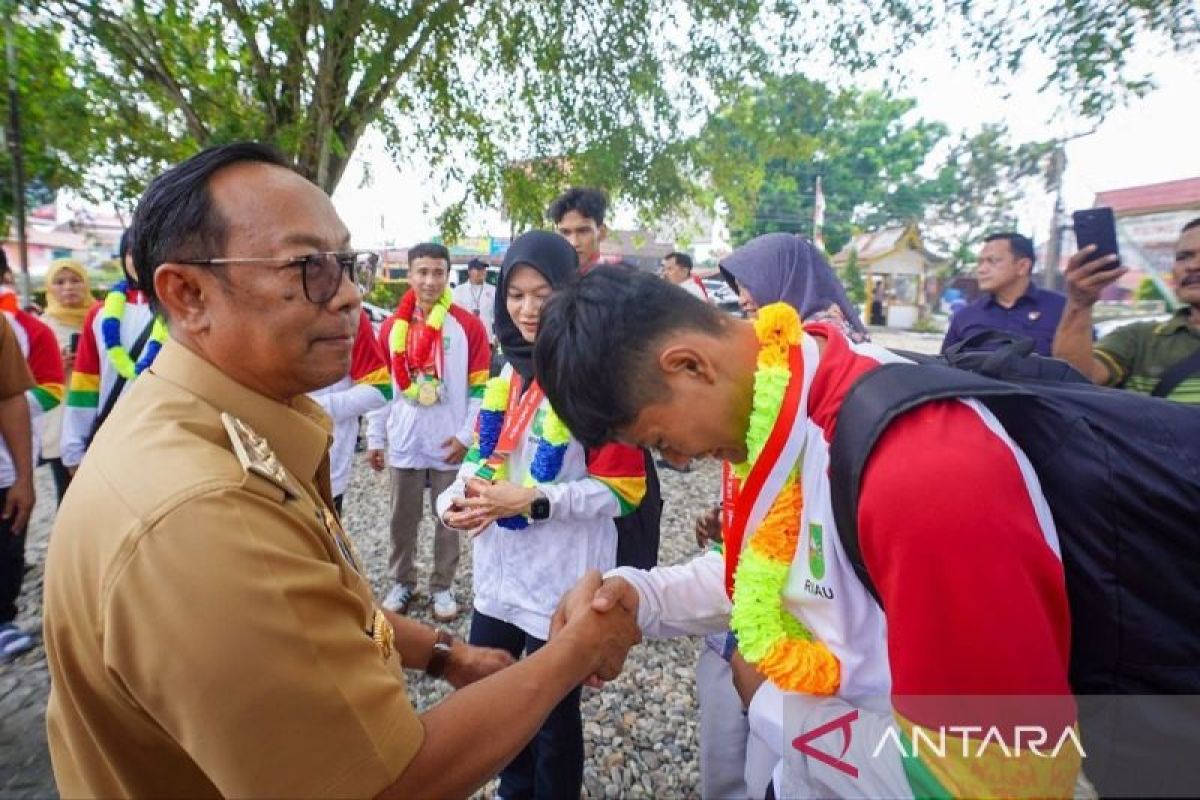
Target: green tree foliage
x: 977, y: 190
x: 56, y: 143
x: 765, y: 149
x: 879, y: 165
x: 852, y: 279
x: 1148, y: 291
x: 512, y: 99
x: 1090, y: 45
x: 477, y: 91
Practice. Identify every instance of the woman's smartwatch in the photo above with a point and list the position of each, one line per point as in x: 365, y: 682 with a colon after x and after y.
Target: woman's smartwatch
x: 539, y: 509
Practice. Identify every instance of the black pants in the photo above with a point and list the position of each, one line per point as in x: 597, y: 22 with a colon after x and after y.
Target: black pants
x: 62, y: 477
x: 551, y: 766
x: 12, y: 566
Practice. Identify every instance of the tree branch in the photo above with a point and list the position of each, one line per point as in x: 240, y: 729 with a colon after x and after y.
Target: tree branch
x: 126, y: 42
x: 367, y: 101
x: 262, y: 71
x: 291, y: 81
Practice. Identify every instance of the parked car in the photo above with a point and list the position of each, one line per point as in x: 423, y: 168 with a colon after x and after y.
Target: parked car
x: 721, y: 295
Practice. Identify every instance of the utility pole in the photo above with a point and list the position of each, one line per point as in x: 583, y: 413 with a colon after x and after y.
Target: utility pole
x: 17, y: 153
x: 1051, y: 276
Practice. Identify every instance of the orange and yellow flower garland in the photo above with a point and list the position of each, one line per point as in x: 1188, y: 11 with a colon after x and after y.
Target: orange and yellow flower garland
x: 769, y: 636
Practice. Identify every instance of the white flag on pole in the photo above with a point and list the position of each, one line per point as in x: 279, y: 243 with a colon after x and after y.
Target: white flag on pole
x: 818, y: 215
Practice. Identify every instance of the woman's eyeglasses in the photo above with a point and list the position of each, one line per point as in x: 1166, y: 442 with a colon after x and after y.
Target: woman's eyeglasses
x: 321, y: 273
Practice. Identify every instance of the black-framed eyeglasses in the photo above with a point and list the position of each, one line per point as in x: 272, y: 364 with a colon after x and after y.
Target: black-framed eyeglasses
x: 321, y: 273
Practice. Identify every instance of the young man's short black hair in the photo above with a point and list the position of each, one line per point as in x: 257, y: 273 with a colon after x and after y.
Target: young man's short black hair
x: 1191, y: 225
x: 595, y: 352
x: 682, y: 259
x: 429, y: 250
x: 1020, y: 245
x: 590, y: 203
x: 477, y: 263
x: 175, y: 220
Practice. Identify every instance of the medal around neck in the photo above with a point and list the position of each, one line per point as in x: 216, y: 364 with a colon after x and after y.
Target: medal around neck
x: 408, y: 369
x: 427, y: 393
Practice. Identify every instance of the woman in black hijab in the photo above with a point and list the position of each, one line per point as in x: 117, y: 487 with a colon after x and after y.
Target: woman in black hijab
x: 536, y: 253
x: 536, y: 530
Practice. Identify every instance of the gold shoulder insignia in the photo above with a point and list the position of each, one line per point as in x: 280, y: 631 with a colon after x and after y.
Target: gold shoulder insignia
x: 383, y: 634
x: 257, y: 456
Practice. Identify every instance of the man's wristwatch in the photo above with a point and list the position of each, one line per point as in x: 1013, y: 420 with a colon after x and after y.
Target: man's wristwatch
x: 540, y: 507
x: 440, y: 655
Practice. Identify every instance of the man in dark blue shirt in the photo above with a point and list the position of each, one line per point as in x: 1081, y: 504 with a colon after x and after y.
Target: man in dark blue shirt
x: 1011, y: 302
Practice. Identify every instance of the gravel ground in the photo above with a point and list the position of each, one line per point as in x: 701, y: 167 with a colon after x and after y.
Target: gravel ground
x: 640, y: 731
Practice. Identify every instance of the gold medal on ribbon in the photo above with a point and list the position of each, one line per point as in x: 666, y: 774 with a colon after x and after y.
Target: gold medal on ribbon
x: 427, y: 395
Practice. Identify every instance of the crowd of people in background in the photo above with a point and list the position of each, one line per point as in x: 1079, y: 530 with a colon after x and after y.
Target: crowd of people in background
x: 1158, y: 358
x: 529, y: 412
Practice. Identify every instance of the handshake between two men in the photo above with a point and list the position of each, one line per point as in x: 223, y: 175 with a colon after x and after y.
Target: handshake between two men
x: 609, y: 633
x: 616, y: 597
x: 613, y: 599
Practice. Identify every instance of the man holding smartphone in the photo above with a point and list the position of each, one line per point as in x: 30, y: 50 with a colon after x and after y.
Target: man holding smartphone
x: 1156, y: 358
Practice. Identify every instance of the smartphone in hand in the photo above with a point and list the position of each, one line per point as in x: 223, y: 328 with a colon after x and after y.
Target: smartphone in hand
x: 74, y: 342
x: 1097, y: 226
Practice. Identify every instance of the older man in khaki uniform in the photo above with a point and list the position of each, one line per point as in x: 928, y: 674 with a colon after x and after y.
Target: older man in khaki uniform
x: 207, y: 625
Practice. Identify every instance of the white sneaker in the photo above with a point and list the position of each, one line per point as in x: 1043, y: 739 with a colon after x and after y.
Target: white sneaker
x: 445, y: 607
x: 398, y: 599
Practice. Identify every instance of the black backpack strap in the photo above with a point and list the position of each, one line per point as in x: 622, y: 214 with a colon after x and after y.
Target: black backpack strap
x: 110, y: 402
x: 875, y: 399
x: 1177, y: 374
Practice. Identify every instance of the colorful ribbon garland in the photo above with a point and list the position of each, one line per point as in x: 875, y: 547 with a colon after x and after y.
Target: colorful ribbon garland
x: 110, y: 332
x: 547, y: 462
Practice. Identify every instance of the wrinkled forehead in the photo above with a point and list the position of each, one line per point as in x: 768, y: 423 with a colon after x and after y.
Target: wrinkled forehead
x: 273, y: 209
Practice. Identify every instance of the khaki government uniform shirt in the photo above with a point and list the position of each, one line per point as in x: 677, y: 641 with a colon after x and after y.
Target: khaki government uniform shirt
x: 15, y: 377
x: 206, y: 630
